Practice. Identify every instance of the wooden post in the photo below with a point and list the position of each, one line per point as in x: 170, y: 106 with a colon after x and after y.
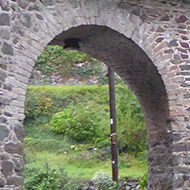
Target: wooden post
x: 113, y: 124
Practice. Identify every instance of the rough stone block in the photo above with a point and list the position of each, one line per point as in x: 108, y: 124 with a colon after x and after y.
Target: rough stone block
x: 5, y: 101
x: 4, y: 19
x: 25, y: 19
x: 19, y: 165
x: 15, y: 180
x: 7, y: 49
x: 19, y: 131
x: 3, y: 75
x: 4, y: 131
x: 2, y: 182
x: 14, y: 148
x: 7, y: 168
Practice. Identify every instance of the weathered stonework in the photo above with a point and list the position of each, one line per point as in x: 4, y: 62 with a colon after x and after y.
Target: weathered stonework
x: 146, y: 42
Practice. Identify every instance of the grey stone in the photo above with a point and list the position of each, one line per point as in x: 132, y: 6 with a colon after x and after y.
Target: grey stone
x: 5, y: 33
x: 8, y: 114
x: 47, y: 2
x: 3, y: 119
x: 4, y: 19
x: 180, y: 147
x: 4, y: 132
x: 92, y: 188
x: 34, y: 8
x: 128, y: 187
x: 31, y: 0
x: 177, y: 137
x: 186, y: 96
x: 186, y: 1
x: 7, y: 49
x: 176, y: 61
x: 19, y: 165
x: 19, y: 131
x: 179, y: 169
x: 18, y: 188
x: 85, y: 188
x: 14, y: 148
x: 4, y: 157
x: 16, y: 40
x: 187, y: 161
x: 22, y: 3
x: 4, y: 5
x: 185, y: 67
x: 3, y: 66
x: 8, y: 86
x: 185, y: 84
x: 2, y: 182
x: 172, y: 43
x: 25, y: 18
x: 17, y: 28
x: 3, y: 75
x: 39, y: 16
x: 4, y: 101
x: 7, y: 168
x: 16, y: 180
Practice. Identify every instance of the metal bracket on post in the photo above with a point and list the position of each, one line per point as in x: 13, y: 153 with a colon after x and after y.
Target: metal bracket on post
x: 114, y: 138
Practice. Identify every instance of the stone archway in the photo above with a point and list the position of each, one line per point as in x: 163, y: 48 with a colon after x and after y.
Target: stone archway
x: 144, y: 42
x: 138, y: 71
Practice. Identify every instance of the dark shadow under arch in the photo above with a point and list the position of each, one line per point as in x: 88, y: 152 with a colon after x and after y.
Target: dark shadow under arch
x: 132, y: 64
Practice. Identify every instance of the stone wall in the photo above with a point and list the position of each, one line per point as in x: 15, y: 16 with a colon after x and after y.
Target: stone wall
x: 145, y: 42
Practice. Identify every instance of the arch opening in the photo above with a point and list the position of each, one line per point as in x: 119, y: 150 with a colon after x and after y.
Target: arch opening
x: 132, y: 64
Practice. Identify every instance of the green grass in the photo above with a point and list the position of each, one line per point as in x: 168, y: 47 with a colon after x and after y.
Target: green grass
x: 135, y: 168
x: 44, y: 145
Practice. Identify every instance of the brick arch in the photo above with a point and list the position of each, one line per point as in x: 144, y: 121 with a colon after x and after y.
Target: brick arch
x: 146, y: 46
x: 133, y: 65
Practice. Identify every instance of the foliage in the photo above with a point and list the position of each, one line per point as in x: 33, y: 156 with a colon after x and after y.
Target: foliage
x: 76, y: 122
x: 130, y: 122
x: 103, y: 181
x: 55, y: 59
x: 143, y: 181
x: 48, y: 178
x: 45, y: 101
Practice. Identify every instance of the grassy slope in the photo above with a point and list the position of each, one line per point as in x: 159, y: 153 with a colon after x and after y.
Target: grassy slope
x: 43, y: 145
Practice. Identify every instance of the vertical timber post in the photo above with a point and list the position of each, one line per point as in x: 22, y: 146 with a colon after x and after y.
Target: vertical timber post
x: 113, y: 126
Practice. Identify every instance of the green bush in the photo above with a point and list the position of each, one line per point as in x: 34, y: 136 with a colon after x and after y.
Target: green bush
x: 143, y: 182
x: 103, y: 181
x: 130, y: 122
x: 90, y: 119
x: 50, y: 179
x: 76, y: 122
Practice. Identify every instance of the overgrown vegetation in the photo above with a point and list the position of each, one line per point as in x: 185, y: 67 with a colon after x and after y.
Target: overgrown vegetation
x: 38, y: 178
x: 76, y: 122
x: 68, y: 132
x: 68, y: 63
x: 89, y: 119
x: 74, y: 148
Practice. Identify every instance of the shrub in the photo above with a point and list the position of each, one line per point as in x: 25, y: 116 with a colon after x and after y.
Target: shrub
x: 130, y: 121
x: 143, y: 182
x: 48, y: 178
x: 45, y: 179
x: 103, y: 181
x: 76, y: 122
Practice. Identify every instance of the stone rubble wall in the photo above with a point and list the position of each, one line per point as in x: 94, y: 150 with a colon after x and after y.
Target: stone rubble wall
x: 145, y: 42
